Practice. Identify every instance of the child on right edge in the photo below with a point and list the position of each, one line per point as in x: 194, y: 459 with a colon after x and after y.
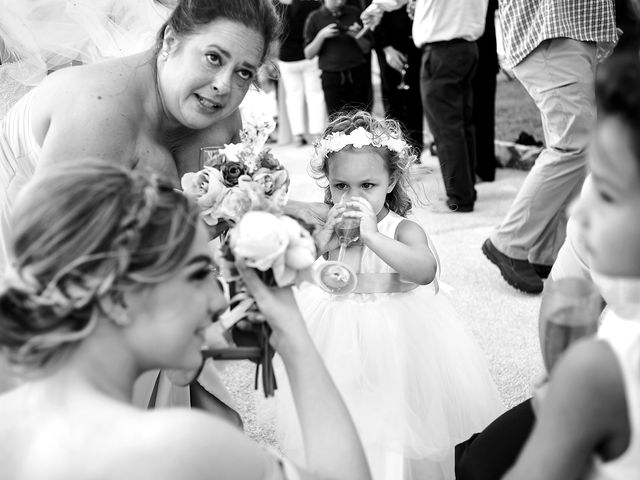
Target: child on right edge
x: 413, y: 378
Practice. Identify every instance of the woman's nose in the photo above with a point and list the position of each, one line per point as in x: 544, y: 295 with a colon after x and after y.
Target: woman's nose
x: 221, y: 82
x: 217, y: 298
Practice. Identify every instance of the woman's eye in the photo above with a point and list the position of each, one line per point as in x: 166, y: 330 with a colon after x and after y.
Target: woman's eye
x: 213, y: 58
x: 203, y: 273
x: 605, y: 197
x: 245, y: 74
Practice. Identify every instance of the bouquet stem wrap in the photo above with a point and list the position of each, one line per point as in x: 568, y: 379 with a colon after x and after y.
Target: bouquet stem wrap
x: 250, y: 333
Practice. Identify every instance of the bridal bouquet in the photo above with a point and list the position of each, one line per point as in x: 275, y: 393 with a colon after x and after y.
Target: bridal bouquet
x: 245, y: 186
x: 237, y: 178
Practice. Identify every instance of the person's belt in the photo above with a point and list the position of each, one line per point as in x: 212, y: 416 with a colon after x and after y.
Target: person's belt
x: 445, y: 42
x: 382, y: 283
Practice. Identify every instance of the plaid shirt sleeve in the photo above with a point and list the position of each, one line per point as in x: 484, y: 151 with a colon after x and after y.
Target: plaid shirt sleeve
x: 527, y: 23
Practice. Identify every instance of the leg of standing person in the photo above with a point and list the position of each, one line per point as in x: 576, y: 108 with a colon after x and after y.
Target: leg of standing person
x: 386, y: 82
x: 489, y: 454
x: 484, y: 100
x: 336, y: 89
x: 559, y: 75
x: 446, y: 75
x: 414, y: 113
x: 405, y: 106
x: 316, y: 108
x: 291, y: 77
x: 359, y: 79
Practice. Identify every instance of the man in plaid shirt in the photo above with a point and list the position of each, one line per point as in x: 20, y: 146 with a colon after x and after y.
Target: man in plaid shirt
x: 553, y: 47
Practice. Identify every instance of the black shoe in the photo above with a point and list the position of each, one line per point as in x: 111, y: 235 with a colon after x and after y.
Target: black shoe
x: 300, y: 141
x: 542, y: 270
x: 517, y: 273
x: 454, y: 207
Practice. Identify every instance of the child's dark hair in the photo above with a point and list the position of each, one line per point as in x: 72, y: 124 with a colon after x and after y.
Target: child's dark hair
x: 259, y: 15
x: 397, y: 160
x: 618, y: 93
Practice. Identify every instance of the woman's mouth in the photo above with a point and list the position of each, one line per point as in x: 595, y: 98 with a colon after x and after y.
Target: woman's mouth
x: 208, y: 104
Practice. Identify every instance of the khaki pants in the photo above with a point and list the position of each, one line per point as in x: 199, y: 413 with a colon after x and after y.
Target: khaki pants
x: 559, y: 75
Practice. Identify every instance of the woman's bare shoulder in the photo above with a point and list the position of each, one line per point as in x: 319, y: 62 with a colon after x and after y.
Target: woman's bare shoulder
x: 92, y: 105
x: 117, y: 85
x: 183, y: 443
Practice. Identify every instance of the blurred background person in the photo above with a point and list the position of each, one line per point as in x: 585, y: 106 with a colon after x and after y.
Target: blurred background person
x: 304, y: 98
x: 399, y: 61
x: 553, y: 48
x: 330, y: 34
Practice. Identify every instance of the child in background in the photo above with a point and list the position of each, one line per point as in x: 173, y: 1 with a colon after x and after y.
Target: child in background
x: 330, y: 34
x: 413, y: 378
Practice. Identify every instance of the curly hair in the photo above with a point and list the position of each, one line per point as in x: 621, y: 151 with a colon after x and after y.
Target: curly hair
x: 85, y: 232
x: 397, y: 162
x: 259, y: 15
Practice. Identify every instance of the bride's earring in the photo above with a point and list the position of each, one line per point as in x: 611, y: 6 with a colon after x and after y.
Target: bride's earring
x: 164, y: 54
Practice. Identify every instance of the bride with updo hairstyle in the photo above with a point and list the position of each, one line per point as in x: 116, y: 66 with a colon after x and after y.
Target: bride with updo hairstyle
x: 110, y: 276
x: 61, y: 283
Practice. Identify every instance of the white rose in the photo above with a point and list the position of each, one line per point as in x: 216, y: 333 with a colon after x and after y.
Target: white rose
x: 205, y: 186
x: 301, y: 251
x: 233, y: 152
x: 259, y: 239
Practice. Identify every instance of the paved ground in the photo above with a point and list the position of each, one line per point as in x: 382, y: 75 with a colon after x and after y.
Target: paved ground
x: 503, y: 320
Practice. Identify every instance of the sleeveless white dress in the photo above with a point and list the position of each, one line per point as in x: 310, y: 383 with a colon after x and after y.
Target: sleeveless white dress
x: 414, y: 379
x: 623, y: 336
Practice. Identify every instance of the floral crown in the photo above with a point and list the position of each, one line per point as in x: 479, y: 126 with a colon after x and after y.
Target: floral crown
x: 359, y: 138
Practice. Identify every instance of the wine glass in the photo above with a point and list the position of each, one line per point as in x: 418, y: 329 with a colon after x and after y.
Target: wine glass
x: 336, y: 276
x: 570, y: 309
x: 402, y: 85
x: 207, y: 154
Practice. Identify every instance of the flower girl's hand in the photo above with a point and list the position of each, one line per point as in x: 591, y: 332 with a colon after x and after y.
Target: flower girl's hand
x: 325, y: 237
x: 361, y: 208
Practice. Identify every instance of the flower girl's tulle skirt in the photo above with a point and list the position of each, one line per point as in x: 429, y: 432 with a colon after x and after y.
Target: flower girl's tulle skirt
x: 414, y: 379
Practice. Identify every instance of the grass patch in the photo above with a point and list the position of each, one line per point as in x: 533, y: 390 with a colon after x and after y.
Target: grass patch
x: 515, y: 111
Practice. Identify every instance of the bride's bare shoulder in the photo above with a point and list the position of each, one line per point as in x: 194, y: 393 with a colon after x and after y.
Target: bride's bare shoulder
x: 183, y: 443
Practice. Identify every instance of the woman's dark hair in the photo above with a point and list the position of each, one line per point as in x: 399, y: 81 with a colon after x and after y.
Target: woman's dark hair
x: 84, y: 232
x: 618, y: 92
x: 260, y: 15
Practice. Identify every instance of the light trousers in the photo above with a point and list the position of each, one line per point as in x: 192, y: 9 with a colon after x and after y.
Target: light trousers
x: 560, y: 77
x: 304, y: 96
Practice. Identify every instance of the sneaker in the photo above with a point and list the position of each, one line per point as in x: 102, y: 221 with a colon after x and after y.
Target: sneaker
x: 517, y: 273
x: 542, y: 270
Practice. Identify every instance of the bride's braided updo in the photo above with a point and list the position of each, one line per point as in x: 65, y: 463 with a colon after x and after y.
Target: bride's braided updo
x: 83, y: 233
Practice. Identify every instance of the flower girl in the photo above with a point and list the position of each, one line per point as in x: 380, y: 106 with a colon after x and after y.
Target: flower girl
x: 413, y: 378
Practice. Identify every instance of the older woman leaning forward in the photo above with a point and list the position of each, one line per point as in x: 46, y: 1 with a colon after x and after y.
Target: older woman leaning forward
x: 151, y: 111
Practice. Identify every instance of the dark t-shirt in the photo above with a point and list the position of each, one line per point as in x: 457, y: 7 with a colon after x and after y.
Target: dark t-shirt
x: 293, y: 18
x: 342, y: 51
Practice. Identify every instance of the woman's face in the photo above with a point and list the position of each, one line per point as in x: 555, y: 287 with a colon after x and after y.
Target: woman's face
x: 206, y: 75
x: 609, y: 213
x: 169, y: 319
